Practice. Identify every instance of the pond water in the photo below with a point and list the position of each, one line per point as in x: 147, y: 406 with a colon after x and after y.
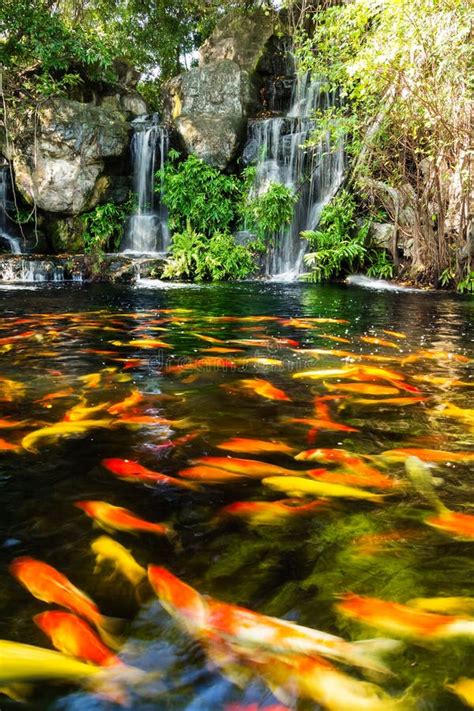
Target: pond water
x: 77, y: 347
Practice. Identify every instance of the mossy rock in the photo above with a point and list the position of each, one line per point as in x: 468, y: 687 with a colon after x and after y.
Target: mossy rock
x: 67, y: 235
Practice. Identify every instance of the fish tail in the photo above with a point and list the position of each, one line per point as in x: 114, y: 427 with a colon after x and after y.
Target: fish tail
x: 368, y: 653
x: 115, y: 683
x: 420, y: 476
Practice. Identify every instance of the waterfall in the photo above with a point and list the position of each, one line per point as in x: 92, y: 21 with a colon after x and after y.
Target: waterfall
x: 278, y: 145
x: 13, y: 242
x: 147, y: 231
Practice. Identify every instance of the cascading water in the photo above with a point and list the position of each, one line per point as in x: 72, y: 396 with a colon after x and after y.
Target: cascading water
x: 5, y: 236
x: 148, y: 228
x: 314, y: 173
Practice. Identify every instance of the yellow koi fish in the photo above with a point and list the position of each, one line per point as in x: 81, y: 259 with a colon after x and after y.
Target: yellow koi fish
x: 54, y: 432
x: 298, y: 486
x: 106, y: 549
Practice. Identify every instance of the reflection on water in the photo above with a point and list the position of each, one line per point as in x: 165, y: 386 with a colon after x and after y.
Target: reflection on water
x: 178, y: 381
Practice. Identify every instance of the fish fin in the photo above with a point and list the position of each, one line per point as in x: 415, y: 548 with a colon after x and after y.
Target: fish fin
x: 419, y: 474
x: 110, y: 630
x: 368, y: 653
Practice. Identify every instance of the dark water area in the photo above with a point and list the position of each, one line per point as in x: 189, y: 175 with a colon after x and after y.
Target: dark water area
x: 92, y: 346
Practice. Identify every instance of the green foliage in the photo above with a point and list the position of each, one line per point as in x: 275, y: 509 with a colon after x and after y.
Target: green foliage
x: 342, y: 245
x: 197, y: 257
x: 466, y: 285
x: 198, y: 194
x: 104, y: 226
x: 268, y: 213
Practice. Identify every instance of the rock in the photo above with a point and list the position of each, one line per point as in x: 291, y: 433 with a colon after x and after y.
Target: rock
x: 210, y: 104
x: 133, y: 104
x: 63, y: 168
x: 382, y: 234
x: 67, y: 234
x: 240, y: 38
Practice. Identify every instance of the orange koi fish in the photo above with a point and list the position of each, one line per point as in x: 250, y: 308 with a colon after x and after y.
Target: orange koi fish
x: 403, y: 620
x: 255, y: 446
x: 82, y: 412
x: 205, y: 617
x: 362, y: 388
x: 395, y: 334
x: 379, y: 342
x: 316, y: 352
x: 456, y: 524
x: 127, y: 403
x: 46, y: 399
x: 7, y: 424
x: 269, y: 513
x: 91, y: 380
x: 320, y: 424
x: 8, y: 446
x: 264, y: 389
x: 133, y: 471
x: 337, y: 456
x: 426, y: 455
x: 210, y: 475
x: 246, y: 467
x: 73, y: 636
x: 324, y: 373
x: 49, y: 585
x: 120, y: 519
x: 351, y: 477
x: 208, y: 339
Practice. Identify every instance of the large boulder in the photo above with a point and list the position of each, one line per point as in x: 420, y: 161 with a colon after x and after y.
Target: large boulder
x: 210, y: 104
x: 65, y: 158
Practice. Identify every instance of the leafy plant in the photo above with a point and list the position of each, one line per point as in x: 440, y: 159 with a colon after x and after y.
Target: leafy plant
x: 104, y: 226
x: 200, y: 194
x: 466, y: 285
x: 342, y: 245
x: 268, y: 213
x: 199, y: 258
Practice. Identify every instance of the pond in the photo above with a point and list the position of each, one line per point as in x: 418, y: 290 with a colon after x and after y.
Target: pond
x: 173, y: 376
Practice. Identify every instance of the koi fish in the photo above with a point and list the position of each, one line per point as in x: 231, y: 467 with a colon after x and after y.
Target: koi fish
x: 127, y: 403
x: 7, y: 424
x: 268, y: 513
x: 120, y: 519
x: 106, y: 549
x: 8, y: 446
x: 263, y: 388
x: 254, y: 446
x: 54, y: 432
x: 337, y: 339
x: 26, y: 663
x: 363, y: 388
x: 211, y: 475
x: 220, y: 349
x: 456, y: 524
x: 208, y: 339
x: 133, y: 471
x: 293, y: 677
x: 203, y: 616
x: 245, y: 467
x: 11, y: 390
x: 403, y: 620
x: 316, y: 352
x: 458, y: 413
x: 426, y: 455
x: 73, y: 636
x: 435, y: 355
x: 82, y: 412
x: 49, y: 585
x: 298, y: 486
x: 91, y: 380
x: 395, y: 334
x: 321, y: 424
x: 144, y: 343
x: 373, y: 340
x: 59, y: 394
x: 337, y: 456
x: 260, y: 360
x: 396, y: 401
x: 347, y: 476
x: 323, y: 373
x: 464, y: 689
x: 449, y: 605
